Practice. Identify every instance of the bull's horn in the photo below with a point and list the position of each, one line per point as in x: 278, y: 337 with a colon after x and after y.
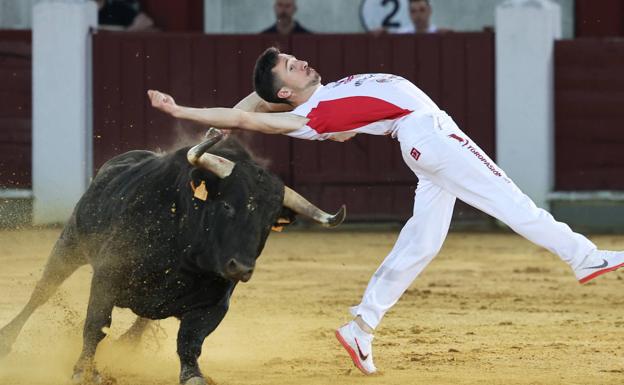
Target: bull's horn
x: 300, y: 205
x: 198, y: 157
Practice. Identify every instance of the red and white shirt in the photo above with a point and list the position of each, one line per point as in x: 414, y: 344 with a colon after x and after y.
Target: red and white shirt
x: 367, y: 103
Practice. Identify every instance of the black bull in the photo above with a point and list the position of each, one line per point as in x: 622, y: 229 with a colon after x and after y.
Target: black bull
x: 167, y: 238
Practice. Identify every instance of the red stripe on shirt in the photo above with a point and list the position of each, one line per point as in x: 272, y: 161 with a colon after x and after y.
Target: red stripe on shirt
x: 346, y: 114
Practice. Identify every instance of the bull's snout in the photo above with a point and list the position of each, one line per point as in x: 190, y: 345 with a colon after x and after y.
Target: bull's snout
x: 237, y: 271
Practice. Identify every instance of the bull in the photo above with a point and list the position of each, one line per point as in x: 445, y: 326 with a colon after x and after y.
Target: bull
x: 168, y: 235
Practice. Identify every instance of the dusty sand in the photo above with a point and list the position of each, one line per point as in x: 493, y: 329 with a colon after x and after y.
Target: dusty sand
x: 491, y: 309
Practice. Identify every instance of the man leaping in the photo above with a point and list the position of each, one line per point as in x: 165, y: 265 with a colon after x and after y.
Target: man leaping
x: 448, y: 164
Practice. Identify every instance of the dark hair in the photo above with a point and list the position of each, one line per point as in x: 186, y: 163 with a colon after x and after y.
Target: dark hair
x: 417, y: 1
x: 266, y: 83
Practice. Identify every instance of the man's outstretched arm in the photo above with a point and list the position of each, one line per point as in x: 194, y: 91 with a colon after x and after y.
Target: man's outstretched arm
x: 269, y: 123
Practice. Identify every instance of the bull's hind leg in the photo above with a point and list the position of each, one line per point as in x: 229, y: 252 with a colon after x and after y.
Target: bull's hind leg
x: 99, y: 317
x: 62, y: 262
x: 133, y: 335
x: 195, y: 326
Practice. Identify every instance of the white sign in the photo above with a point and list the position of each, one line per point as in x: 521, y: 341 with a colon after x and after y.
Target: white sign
x: 391, y: 15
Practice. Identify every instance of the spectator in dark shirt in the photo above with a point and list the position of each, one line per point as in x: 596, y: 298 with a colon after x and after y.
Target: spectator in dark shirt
x: 123, y: 15
x: 285, y: 23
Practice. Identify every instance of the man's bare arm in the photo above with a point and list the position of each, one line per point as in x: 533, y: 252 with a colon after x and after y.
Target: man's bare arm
x: 269, y: 123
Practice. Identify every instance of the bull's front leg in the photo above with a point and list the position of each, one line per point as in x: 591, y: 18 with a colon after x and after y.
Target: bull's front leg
x: 195, y: 326
x: 99, y: 316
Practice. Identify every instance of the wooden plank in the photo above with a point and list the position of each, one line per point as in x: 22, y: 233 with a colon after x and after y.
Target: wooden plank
x: 15, y: 165
x: 479, y: 91
x: 158, y: 125
x: 15, y: 104
x: 330, y: 62
x: 228, y: 71
x: 16, y: 80
x: 404, y: 61
x: 15, y: 109
x: 179, y: 16
x: 453, y: 77
x: 355, y: 55
x: 106, y: 97
x: 599, y: 18
x: 15, y: 130
x: 380, y: 54
x: 204, y: 72
x: 588, y: 114
x: 132, y: 93
x: 428, y: 59
x: 588, y: 179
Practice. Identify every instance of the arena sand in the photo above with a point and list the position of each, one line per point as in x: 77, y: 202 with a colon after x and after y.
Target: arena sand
x: 491, y: 309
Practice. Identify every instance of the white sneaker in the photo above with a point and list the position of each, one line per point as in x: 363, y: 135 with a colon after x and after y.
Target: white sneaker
x: 597, y: 263
x: 358, y: 344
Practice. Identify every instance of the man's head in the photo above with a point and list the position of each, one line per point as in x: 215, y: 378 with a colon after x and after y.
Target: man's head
x: 285, y: 10
x: 282, y: 78
x: 420, y: 13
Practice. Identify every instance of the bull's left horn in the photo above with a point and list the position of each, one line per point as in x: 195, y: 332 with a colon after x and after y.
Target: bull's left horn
x: 198, y: 157
x: 302, y: 206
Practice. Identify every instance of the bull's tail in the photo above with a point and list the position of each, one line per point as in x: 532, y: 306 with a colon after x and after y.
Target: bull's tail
x: 62, y: 262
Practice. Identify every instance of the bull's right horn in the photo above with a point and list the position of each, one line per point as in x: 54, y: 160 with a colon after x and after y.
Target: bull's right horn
x: 302, y: 206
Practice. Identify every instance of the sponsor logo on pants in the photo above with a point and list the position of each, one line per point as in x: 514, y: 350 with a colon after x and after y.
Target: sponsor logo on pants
x: 478, y: 154
x: 415, y: 153
x: 484, y: 160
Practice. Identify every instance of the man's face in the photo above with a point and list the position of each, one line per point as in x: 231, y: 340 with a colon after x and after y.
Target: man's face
x: 420, y: 12
x: 284, y: 9
x: 295, y: 75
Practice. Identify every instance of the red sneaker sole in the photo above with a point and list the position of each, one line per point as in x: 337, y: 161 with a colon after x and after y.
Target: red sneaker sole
x: 599, y: 273
x: 352, y: 353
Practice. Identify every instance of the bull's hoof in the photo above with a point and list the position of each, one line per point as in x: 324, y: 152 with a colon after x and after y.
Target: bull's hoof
x: 195, y: 381
x: 7, y: 337
x: 85, y: 378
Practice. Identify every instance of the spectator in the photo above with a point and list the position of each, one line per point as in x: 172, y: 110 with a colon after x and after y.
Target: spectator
x: 124, y: 15
x: 420, y: 13
x: 285, y: 23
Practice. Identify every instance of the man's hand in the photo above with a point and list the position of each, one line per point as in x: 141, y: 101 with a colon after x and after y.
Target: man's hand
x: 163, y: 102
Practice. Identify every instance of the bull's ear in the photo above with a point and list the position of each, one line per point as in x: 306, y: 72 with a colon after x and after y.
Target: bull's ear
x: 201, y: 185
x: 286, y: 217
x: 200, y: 192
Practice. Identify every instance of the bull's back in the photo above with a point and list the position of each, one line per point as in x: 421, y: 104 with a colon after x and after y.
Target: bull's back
x: 121, y: 163
x: 121, y: 183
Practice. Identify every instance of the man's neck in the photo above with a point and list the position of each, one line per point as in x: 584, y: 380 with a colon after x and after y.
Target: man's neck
x: 305, y: 95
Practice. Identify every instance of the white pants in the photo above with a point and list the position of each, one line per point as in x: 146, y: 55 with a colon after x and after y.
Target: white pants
x: 450, y: 165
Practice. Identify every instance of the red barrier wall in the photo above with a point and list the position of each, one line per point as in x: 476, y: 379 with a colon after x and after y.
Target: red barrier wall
x: 599, y: 18
x: 456, y: 70
x: 176, y: 16
x: 15, y: 109
x: 589, y: 118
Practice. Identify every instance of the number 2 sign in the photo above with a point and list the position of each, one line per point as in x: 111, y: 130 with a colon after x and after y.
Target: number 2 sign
x: 390, y: 15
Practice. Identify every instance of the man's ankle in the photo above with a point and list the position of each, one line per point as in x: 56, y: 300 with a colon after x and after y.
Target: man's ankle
x: 363, y: 325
